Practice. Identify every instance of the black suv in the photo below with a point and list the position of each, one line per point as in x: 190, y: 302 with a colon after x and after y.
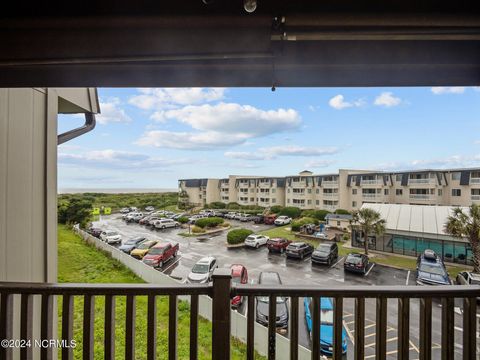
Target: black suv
x: 431, y: 270
x: 325, y: 253
x: 299, y: 250
x: 281, y: 319
x: 258, y: 219
x: 356, y: 263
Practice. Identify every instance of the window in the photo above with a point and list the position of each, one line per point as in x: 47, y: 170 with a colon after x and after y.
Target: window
x: 354, y: 191
x: 309, y: 202
x: 274, y: 201
x: 440, y: 192
x: 456, y: 176
x: 317, y: 202
x: 317, y: 191
x: 309, y: 191
x: 288, y: 190
x: 252, y: 190
x: 398, y: 177
x: 399, y: 192
x: 354, y: 204
x: 456, y: 192
x: 288, y: 201
x: 252, y: 199
x: 273, y: 190
x: 385, y: 192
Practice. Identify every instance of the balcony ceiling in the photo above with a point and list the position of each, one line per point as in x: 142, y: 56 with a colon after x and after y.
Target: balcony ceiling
x: 190, y: 43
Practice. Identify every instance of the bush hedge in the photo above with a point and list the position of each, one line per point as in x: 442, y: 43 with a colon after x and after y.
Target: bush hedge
x: 197, y: 230
x: 238, y: 236
x: 291, y: 211
x: 215, y: 205
x: 209, y: 222
x: 342, y: 212
x: 297, y: 224
x: 316, y: 214
x: 183, y: 220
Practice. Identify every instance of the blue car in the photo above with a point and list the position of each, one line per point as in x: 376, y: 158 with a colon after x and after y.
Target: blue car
x: 326, y: 324
x: 431, y: 270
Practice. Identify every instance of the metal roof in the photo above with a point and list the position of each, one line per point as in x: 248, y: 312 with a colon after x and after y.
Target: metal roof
x: 414, y: 218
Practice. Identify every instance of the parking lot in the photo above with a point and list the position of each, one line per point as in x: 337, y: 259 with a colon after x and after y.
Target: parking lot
x: 299, y: 272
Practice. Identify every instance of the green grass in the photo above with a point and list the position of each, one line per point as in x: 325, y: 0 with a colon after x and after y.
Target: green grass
x: 379, y: 258
x: 82, y: 263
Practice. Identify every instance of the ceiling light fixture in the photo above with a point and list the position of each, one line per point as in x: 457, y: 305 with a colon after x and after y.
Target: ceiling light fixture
x: 250, y: 5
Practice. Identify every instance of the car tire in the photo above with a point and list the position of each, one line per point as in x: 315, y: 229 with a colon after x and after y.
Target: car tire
x: 160, y: 264
x: 301, y: 256
x: 175, y: 254
x: 163, y: 227
x: 257, y: 246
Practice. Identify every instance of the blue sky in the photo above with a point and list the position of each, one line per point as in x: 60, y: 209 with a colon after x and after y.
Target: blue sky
x: 149, y: 138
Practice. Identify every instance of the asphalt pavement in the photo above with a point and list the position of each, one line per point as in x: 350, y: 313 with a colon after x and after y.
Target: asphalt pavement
x: 300, y: 272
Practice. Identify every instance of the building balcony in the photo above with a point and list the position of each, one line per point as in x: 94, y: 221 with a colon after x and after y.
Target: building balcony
x: 422, y: 181
x: 371, y: 182
x: 213, y: 302
x: 330, y: 195
x: 425, y: 197
x: 474, y: 181
x: 475, y: 197
x: 330, y: 183
x: 368, y: 196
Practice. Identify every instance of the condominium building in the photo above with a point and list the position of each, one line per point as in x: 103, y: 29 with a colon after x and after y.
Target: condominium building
x: 347, y: 189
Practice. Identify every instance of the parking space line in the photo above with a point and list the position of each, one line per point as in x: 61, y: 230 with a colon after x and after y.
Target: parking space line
x: 388, y: 340
x: 371, y: 267
x: 350, y: 322
x: 408, y: 276
x: 373, y: 334
x: 348, y: 332
x: 169, y: 266
x: 338, y: 262
x: 366, y: 327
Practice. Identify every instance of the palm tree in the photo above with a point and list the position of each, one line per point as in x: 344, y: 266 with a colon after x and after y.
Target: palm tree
x: 467, y: 225
x: 368, y: 221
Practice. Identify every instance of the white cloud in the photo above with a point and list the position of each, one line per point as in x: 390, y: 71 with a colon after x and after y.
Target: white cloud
x: 116, y: 159
x: 387, y: 99
x: 235, y: 118
x: 164, y: 98
x: 319, y: 163
x: 277, y: 151
x: 438, y: 90
x: 338, y: 102
x: 111, y: 112
x: 188, y: 140
x: 436, y: 163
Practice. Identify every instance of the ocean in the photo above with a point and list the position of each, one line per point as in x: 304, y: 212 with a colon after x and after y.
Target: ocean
x: 112, y: 190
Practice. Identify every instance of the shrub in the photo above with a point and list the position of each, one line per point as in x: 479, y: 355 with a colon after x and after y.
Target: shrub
x: 210, y: 222
x: 225, y: 224
x: 291, y: 211
x: 233, y: 206
x: 276, y: 209
x: 197, y: 230
x: 238, y: 236
x: 215, y: 205
x: 346, y: 237
x: 342, y: 212
x: 316, y: 214
x: 183, y: 220
x: 297, y: 224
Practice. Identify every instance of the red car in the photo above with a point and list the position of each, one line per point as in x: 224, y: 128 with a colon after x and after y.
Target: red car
x: 269, y: 219
x: 277, y: 245
x: 160, y: 254
x: 239, y: 276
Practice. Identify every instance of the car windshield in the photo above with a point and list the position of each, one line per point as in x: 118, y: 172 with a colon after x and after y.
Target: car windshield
x: 156, y: 251
x: 200, y: 268
x: 432, y: 269
x: 251, y: 238
x: 144, y: 246
x: 326, y: 317
x: 132, y: 241
x: 323, y: 249
x: 266, y: 299
x: 354, y: 259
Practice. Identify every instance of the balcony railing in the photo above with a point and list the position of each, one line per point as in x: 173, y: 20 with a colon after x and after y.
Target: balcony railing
x: 475, y: 197
x: 330, y: 195
x: 421, y: 197
x: 371, y: 196
x: 371, y: 182
x: 422, y: 181
x: 330, y: 183
x: 474, y: 180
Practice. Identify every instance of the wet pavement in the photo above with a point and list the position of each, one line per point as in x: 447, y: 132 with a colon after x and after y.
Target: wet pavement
x: 300, y: 272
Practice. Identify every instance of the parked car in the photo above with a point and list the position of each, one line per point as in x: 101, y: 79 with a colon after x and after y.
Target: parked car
x: 177, y: 216
x: 134, y: 216
x: 298, y: 250
x: 325, y: 253
x: 152, y: 220
x: 142, y: 249
x: 145, y: 220
x: 124, y: 210
x: 202, y: 271
x: 258, y: 219
x: 246, y: 217
x: 237, y: 216
x: 277, y: 245
x: 162, y: 224
x: 282, y: 220
x: 160, y: 254
x: 468, y: 278
x: 230, y: 215
x: 131, y: 244
x: 149, y: 208
x: 239, y: 276
x: 281, y: 320
x: 95, y: 231
x: 356, y: 263
x: 111, y: 237
x: 269, y: 219
x: 321, y: 235
x: 431, y: 270
x: 256, y: 241
x: 326, y: 324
